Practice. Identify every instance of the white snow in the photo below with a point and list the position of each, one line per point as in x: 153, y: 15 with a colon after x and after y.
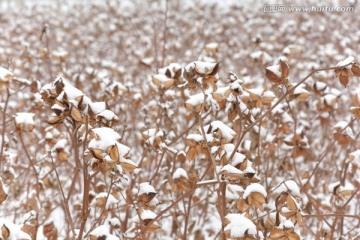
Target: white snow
x: 240, y: 225
x: 161, y: 78
x: 196, y: 99
x: 105, y: 137
x: 111, y: 200
x: 108, y: 115
x: 24, y: 118
x: 5, y: 75
x: 346, y: 62
x: 146, y: 188
x: 60, y: 144
x: 226, y: 132
x: 301, y: 90
x: 288, y: 186
x: 255, y: 91
x: 196, y: 137
x: 103, y: 231
x: 203, y: 67
x: 287, y: 224
x: 97, y: 107
x: 261, y: 56
x: 147, y: 215
x: 152, y: 133
x: 231, y: 170
x: 180, y: 172
x: 14, y: 230
x: 72, y: 93
x: 57, y: 106
x: 355, y: 156
x: 320, y: 86
x: 233, y: 191
x: 212, y: 45
x: 60, y: 53
x: 341, y: 125
x: 268, y: 94
x: 172, y: 67
x: 275, y: 69
x: 254, y: 187
x: 330, y: 99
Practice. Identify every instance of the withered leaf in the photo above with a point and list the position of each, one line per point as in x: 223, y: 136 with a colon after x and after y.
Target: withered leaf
x: 114, y: 153
x: 215, y: 69
x: 128, y: 166
x: 277, y: 233
x: 284, y: 69
x: 97, y: 153
x: 3, y: 194
x: 54, y: 120
x: 168, y: 73
x: 5, y: 232
x: 293, y: 236
x: 344, y: 80
x: 146, y: 197
x: 355, y: 69
x: 75, y: 114
x: 291, y: 203
x: 272, y: 77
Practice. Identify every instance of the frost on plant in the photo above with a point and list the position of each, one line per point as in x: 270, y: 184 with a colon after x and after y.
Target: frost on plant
x: 175, y: 120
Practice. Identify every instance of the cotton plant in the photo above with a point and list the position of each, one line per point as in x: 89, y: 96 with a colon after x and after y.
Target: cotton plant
x: 172, y: 123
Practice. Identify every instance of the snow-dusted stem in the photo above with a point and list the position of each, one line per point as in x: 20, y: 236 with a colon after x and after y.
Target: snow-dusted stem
x: 65, y: 203
x: 4, y: 127
x: 101, y: 214
x: 187, y: 216
x: 187, y: 193
x: 268, y: 112
x: 327, y: 150
x: 222, y: 207
x: 164, y: 34
x: 201, y: 123
x: 28, y: 156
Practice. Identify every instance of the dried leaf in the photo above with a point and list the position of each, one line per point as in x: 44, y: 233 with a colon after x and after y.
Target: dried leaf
x: 272, y: 77
x: 114, y: 153
x: 191, y: 153
x: 293, y: 236
x: 215, y: 69
x: 5, y: 232
x: 97, y: 153
x: 291, y: 203
x: 54, y: 120
x: 62, y: 155
x: 153, y: 227
x: 242, y: 206
x: 299, y: 219
x: 76, y: 114
x: 355, y: 69
x: 146, y: 197
x: 277, y: 233
x: 50, y: 231
x: 31, y: 230
x: 257, y: 199
x: 344, y: 80
x: 168, y: 73
x: 284, y: 69
x: 128, y: 166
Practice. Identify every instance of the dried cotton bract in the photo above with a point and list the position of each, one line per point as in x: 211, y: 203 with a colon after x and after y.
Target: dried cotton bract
x: 24, y: 122
x: 5, y: 77
x: 278, y: 74
x: 201, y: 74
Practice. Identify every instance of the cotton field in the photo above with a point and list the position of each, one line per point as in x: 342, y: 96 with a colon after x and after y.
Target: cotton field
x: 179, y: 120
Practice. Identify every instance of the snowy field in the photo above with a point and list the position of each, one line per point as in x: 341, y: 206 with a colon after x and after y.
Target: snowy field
x: 179, y: 120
